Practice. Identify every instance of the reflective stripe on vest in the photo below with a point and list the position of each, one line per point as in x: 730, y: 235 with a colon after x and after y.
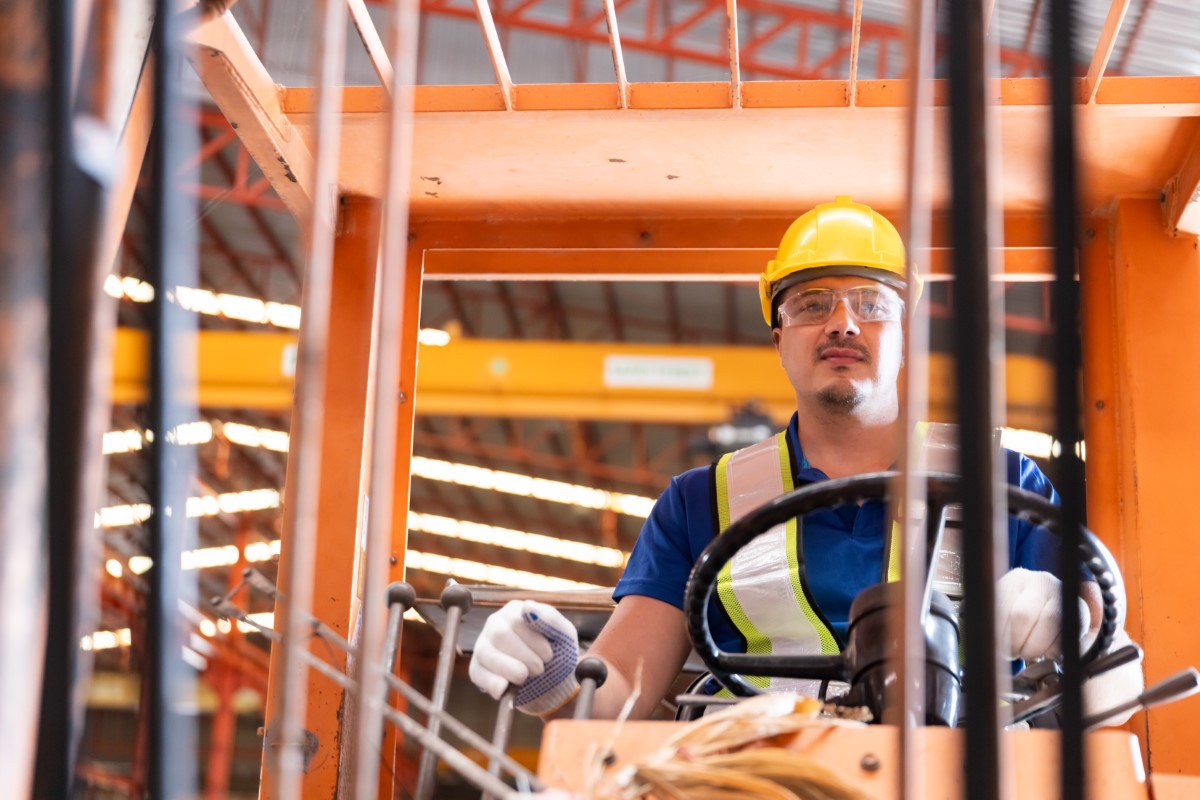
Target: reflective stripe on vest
x: 761, y: 592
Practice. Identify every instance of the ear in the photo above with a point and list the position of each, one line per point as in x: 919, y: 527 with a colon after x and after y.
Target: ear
x: 776, y: 335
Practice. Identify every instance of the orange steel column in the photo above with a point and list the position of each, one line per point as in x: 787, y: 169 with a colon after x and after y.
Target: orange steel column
x: 349, y: 347
x: 390, y: 776
x: 1105, y: 466
x: 1141, y: 348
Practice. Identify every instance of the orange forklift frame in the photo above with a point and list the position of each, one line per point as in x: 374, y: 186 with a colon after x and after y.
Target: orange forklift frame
x: 675, y: 181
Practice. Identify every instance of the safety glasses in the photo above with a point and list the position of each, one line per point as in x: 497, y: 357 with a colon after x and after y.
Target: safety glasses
x: 865, y: 304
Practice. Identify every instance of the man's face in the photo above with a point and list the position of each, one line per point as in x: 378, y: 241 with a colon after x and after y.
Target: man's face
x: 850, y: 360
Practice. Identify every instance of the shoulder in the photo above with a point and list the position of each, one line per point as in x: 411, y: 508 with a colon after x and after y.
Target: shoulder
x: 1026, y: 474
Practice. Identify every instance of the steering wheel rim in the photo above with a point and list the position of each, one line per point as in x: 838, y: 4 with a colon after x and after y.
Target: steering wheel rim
x: 942, y: 489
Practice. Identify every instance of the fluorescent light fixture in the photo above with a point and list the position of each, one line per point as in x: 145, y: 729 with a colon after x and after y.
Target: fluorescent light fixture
x: 126, y: 441
x: 475, y: 572
x: 113, y: 286
x: 515, y: 540
x: 257, y: 552
x: 251, y: 436
x: 433, y: 337
x: 234, y: 306
x: 265, y: 618
x: 201, y: 301
x: 539, y: 488
x: 107, y: 640
x: 1036, y: 444
x: 137, y: 291
x: 283, y: 315
x: 247, y: 309
x: 207, y: 557
x: 191, y: 433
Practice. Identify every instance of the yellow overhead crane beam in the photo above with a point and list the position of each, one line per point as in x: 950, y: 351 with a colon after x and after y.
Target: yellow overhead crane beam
x: 549, y: 380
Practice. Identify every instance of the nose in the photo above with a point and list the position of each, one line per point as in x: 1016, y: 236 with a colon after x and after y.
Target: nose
x: 841, y: 322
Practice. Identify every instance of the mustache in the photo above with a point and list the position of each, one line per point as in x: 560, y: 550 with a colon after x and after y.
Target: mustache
x: 843, y: 344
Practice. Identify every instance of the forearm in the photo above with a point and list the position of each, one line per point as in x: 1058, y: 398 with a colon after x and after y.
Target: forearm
x: 610, y: 699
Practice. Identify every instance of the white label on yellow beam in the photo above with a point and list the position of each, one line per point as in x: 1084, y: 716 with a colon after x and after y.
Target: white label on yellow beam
x: 658, y: 372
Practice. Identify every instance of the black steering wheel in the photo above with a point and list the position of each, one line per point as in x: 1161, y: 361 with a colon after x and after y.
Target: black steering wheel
x: 942, y: 490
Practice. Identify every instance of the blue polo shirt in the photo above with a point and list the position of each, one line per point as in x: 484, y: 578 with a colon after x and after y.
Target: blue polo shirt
x: 843, y: 546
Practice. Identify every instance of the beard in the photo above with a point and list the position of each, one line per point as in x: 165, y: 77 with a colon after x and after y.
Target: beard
x: 840, y: 398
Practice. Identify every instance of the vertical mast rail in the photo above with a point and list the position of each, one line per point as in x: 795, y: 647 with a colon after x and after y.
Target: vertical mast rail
x: 974, y: 336
x: 171, y: 741
x: 1067, y: 355
x: 921, y: 23
x: 391, y: 281
x: 285, y: 758
x: 78, y: 401
x: 24, y: 338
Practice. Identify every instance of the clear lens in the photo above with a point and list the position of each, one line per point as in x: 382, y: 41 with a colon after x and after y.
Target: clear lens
x: 815, y: 306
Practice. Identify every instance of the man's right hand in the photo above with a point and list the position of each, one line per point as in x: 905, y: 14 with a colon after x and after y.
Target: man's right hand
x: 532, y: 646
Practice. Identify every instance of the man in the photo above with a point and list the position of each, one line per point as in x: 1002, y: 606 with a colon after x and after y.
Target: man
x: 832, y: 299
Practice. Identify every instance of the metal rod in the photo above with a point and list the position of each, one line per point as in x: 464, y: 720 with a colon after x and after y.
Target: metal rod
x: 1104, y: 49
x: 285, y: 758
x: 1181, y: 684
x: 25, y: 165
x: 422, y: 703
x: 171, y: 743
x: 391, y: 277
x: 400, y: 599
x: 735, y: 67
x: 975, y: 335
x: 468, y: 736
x: 487, y: 24
x: 614, y: 44
x: 457, y: 601
x: 910, y: 667
x: 855, y: 39
x: 461, y: 764
x: 371, y: 42
x: 1067, y: 356
x: 591, y: 674
x: 501, y: 731
x: 77, y: 413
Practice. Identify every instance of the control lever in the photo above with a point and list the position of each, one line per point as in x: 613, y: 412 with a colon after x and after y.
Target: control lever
x: 1041, y: 681
x: 1176, y: 687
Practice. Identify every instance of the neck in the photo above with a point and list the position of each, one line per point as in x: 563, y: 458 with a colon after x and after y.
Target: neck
x: 842, y: 444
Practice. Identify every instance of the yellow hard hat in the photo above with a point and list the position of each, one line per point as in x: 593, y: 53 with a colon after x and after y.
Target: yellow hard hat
x: 838, y: 238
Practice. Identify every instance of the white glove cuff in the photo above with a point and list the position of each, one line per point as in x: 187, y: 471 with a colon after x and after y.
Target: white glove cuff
x: 556, y: 686
x: 552, y: 700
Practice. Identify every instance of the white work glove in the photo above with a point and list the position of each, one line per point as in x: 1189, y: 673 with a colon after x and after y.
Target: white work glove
x: 1110, y: 689
x: 1029, y: 613
x: 532, y: 646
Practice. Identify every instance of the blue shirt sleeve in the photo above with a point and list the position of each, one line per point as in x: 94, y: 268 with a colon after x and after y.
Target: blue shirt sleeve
x: 1031, y: 546
x: 662, y: 557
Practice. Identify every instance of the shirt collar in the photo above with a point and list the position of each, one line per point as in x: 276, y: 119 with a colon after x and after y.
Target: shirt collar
x: 806, y: 472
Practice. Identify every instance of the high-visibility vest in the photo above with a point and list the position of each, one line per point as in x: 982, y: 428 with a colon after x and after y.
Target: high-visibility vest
x: 760, y: 587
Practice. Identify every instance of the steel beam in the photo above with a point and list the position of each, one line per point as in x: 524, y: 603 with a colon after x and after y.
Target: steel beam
x: 246, y: 95
x: 511, y: 378
x: 1181, y: 195
x: 339, y: 501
